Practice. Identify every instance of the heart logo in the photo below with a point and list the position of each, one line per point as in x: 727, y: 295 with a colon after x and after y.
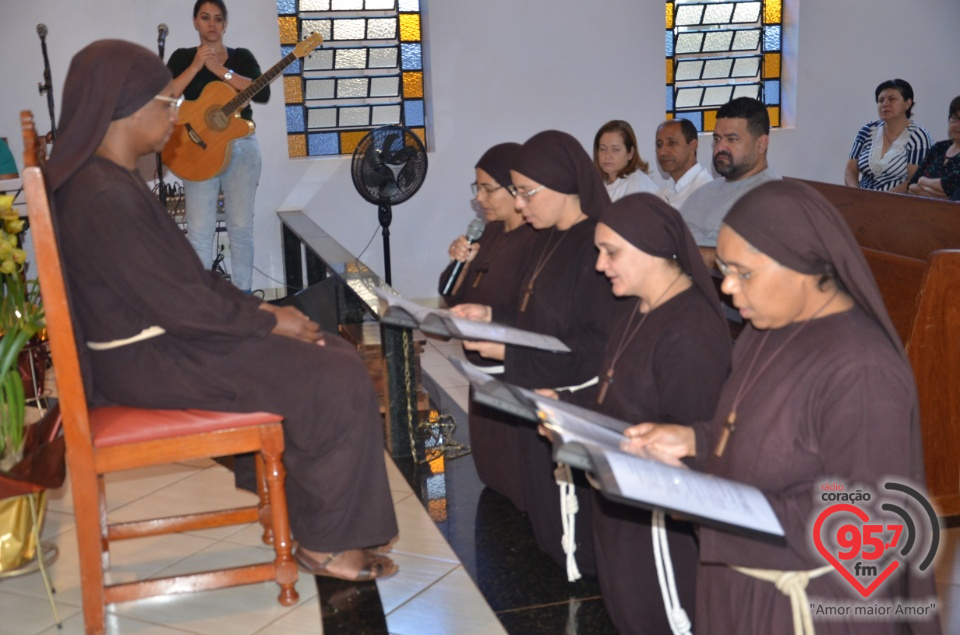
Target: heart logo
x: 818, y: 541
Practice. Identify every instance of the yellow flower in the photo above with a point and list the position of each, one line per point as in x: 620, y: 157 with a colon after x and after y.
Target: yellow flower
x: 6, y: 202
x: 19, y: 256
x: 5, y: 249
x: 13, y: 225
x: 8, y: 266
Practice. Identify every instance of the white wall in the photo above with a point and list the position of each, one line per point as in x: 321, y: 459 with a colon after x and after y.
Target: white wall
x: 503, y: 70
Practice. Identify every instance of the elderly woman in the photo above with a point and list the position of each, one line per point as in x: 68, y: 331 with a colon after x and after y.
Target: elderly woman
x: 939, y: 174
x: 886, y: 152
x: 492, y: 276
x: 820, y: 390
x: 621, y: 167
x: 665, y: 361
x: 559, y: 193
x: 163, y: 332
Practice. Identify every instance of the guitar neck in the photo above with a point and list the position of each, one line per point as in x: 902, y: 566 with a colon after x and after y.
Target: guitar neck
x: 257, y: 85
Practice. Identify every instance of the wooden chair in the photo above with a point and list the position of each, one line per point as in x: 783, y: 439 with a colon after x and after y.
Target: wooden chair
x: 104, y: 440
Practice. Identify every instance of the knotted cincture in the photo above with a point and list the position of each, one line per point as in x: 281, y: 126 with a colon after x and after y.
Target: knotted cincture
x: 677, y: 617
x: 793, y: 584
x: 569, y: 506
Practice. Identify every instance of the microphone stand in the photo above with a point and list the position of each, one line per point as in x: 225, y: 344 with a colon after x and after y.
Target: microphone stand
x: 162, y: 189
x: 47, y: 85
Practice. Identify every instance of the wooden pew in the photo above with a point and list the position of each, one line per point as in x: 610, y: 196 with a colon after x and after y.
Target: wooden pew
x: 913, y: 247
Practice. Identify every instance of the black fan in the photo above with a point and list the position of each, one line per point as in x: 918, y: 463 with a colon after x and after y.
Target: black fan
x: 389, y: 166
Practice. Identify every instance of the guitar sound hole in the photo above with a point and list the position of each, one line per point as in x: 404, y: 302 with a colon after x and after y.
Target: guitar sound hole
x: 216, y: 119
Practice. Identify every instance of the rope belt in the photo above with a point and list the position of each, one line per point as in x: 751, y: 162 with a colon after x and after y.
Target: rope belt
x: 145, y: 334
x: 793, y: 584
x: 676, y: 616
x: 568, y: 514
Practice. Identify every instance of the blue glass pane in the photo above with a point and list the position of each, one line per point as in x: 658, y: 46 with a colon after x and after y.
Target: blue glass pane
x: 771, y: 92
x: 669, y: 98
x: 771, y: 38
x: 409, y: 5
x: 669, y: 43
x: 413, y: 112
x: 323, y: 143
x: 295, y: 119
x: 293, y: 69
x: 286, y: 7
x: 695, y: 117
x: 411, y: 57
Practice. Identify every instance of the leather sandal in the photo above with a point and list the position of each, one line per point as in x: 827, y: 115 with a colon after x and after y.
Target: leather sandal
x: 383, y: 550
x: 375, y: 567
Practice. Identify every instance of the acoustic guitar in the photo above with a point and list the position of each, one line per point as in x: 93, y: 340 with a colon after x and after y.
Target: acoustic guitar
x: 199, y: 147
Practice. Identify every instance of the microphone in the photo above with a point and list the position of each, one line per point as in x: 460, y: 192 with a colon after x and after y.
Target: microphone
x: 42, y: 30
x: 162, y: 31
x: 474, y: 231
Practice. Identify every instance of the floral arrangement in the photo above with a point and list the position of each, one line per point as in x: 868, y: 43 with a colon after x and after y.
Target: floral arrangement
x: 21, y: 318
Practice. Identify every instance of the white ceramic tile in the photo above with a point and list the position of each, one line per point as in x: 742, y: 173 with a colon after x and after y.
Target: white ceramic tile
x: 116, y: 625
x: 451, y: 605
x: 125, y: 487
x: 416, y: 574
x: 303, y: 619
x: 399, y: 496
x: 29, y: 615
x: 418, y: 535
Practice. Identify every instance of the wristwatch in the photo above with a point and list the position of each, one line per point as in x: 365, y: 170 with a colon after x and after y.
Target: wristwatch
x: 227, y: 75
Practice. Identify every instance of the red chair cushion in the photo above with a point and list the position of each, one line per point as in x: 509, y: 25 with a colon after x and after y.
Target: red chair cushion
x: 117, y: 425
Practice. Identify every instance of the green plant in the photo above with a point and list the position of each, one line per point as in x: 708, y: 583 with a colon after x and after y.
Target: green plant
x: 21, y: 318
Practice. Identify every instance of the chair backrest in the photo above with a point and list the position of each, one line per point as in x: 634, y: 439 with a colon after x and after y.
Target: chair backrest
x: 63, y: 345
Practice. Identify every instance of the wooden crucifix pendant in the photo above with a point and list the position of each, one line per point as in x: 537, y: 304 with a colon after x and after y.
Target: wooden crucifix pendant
x: 604, y: 385
x: 478, y: 278
x: 728, y: 427
x: 526, y: 297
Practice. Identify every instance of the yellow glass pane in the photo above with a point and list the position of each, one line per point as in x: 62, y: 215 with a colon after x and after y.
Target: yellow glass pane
x: 774, y: 112
x: 288, y: 30
x: 709, y: 120
x: 771, y: 66
x: 349, y: 140
x: 297, y: 145
x: 409, y: 27
x: 669, y: 116
x: 669, y: 72
x: 772, y: 11
x: 412, y: 85
x: 669, y: 15
x: 420, y: 132
x: 292, y: 90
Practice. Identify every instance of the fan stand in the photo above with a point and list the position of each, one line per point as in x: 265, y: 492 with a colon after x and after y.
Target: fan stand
x: 385, y: 215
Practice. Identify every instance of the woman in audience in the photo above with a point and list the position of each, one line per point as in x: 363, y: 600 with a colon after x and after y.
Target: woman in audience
x: 618, y: 161
x: 886, y: 152
x: 158, y: 330
x: 820, y: 391
x: 666, y: 360
x: 939, y: 174
x: 559, y: 193
x: 492, y: 276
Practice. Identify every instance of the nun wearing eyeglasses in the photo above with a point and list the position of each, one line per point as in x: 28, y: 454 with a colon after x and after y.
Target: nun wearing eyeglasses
x: 558, y: 190
x: 820, y: 392
x: 491, y: 274
x: 159, y: 330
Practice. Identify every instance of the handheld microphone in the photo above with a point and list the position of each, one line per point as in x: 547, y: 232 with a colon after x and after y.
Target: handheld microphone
x: 162, y: 31
x: 474, y: 231
x: 42, y: 30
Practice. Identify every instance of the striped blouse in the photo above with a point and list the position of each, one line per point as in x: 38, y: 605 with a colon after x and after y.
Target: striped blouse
x: 889, y: 170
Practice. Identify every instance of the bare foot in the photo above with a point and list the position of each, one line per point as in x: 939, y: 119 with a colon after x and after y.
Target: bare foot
x: 354, y: 565
x: 383, y: 550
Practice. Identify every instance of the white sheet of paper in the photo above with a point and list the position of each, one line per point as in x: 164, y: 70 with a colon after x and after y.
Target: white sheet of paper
x: 692, y: 492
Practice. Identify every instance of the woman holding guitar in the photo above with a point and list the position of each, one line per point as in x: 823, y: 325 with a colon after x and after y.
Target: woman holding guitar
x: 193, y: 69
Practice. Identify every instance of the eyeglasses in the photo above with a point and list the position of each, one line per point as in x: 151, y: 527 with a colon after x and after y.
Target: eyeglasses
x: 514, y: 192
x: 485, y: 188
x: 173, y: 102
x: 742, y: 277
x: 953, y: 119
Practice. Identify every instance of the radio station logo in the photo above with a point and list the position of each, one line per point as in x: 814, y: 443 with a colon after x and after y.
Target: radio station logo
x: 867, y: 544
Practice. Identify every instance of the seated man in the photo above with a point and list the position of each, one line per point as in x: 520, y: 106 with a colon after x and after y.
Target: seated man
x: 677, y: 155
x: 157, y: 330
x: 740, y: 141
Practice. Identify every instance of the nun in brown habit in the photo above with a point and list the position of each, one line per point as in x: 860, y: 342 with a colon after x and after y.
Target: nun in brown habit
x: 820, y: 392
x: 160, y: 331
x: 665, y: 360
x: 559, y: 193
x: 493, y: 276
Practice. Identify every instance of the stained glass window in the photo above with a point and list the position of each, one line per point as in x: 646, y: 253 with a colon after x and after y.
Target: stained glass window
x: 717, y: 50
x: 368, y: 73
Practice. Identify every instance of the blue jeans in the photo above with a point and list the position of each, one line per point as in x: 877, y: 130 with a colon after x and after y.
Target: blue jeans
x: 239, y: 184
